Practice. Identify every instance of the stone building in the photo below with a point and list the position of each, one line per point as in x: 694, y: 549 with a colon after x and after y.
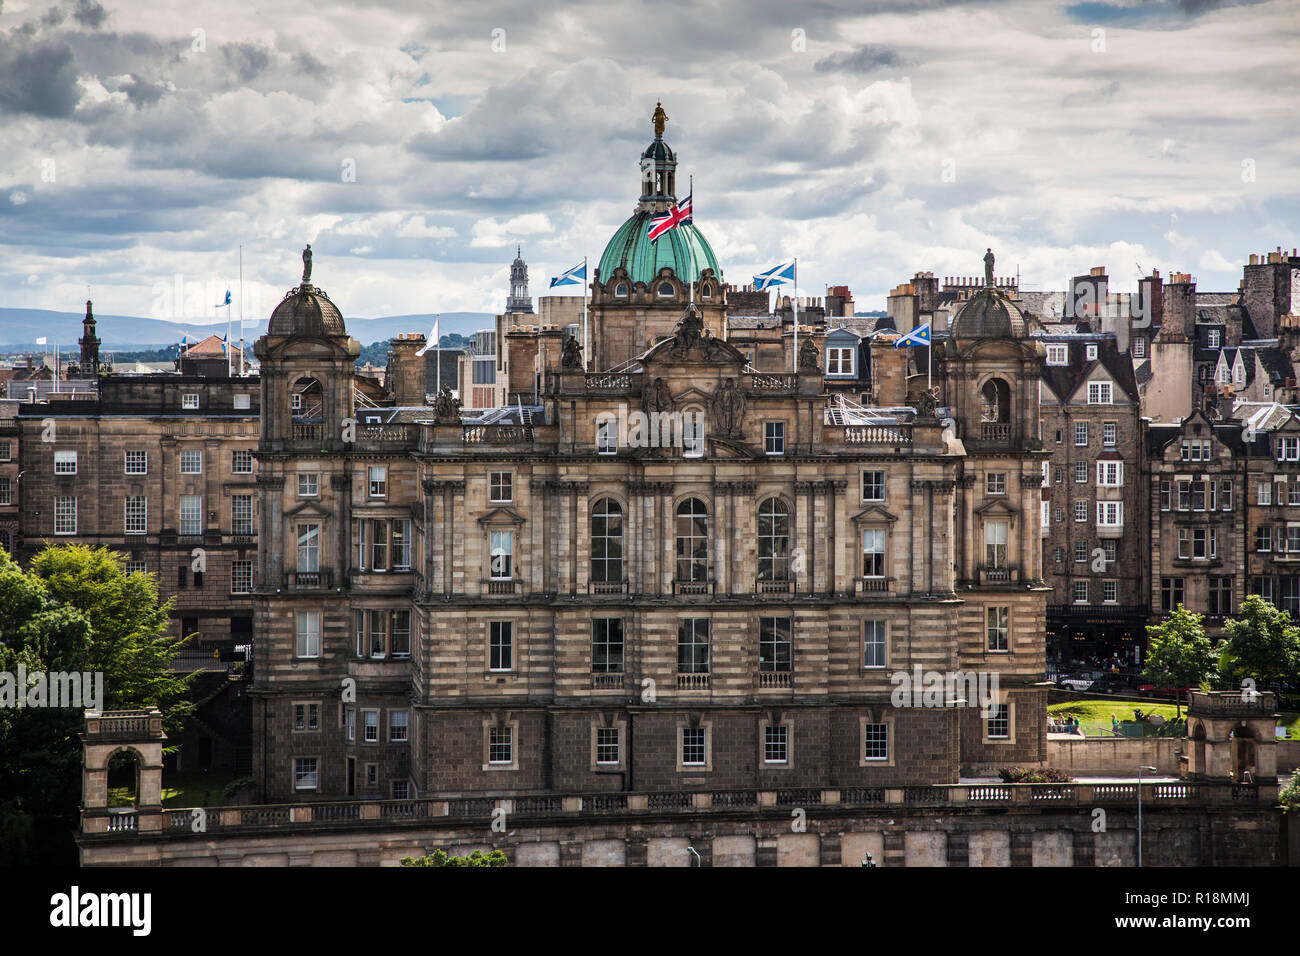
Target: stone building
x: 1093, y: 508
x: 730, y: 597
x: 160, y: 468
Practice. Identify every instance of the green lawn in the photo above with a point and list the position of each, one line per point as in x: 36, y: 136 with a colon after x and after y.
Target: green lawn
x: 195, y: 789
x: 1094, y: 714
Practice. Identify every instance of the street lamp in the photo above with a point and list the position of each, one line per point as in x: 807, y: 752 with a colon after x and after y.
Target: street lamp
x: 695, y: 853
x: 1149, y: 770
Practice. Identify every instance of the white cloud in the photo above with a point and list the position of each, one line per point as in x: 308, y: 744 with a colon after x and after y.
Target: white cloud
x: 489, y: 232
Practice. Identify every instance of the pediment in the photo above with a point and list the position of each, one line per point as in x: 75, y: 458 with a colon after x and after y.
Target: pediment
x: 308, y: 509
x: 997, y: 508
x: 874, y: 514
x: 501, y: 516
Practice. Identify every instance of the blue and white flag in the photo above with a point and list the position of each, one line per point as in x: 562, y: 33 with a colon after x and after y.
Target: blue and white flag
x: 185, y: 344
x: 918, y: 336
x: 777, y: 275
x: 223, y: 345
x: 575, y: 276
x: 226, y: 302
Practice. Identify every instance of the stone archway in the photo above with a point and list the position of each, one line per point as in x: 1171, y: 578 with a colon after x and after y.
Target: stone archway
x: 1245, y: 754
x: 1197, y: 755
x: 123, y: 768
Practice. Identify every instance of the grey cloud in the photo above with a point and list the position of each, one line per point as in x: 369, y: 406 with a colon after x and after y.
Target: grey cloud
x: 39, y: 79
x: 864, y: 59
x: 90, y: 13
x: 142, y: 93
x: 53, y: 17
x: 246, y: 59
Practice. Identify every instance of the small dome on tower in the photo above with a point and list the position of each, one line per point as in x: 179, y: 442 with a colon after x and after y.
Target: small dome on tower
x: 306, y: 310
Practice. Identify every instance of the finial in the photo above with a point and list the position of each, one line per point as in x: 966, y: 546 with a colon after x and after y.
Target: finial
x: 89, y: 314
x: 659, y: 119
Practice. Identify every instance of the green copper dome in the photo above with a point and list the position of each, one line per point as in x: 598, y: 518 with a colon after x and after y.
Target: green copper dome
x: 643, y: 259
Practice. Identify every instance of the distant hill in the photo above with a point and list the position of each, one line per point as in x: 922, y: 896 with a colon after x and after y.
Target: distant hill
x: 19, y: 329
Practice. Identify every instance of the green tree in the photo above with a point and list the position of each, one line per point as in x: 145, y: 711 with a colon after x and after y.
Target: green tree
x: 1263, y: 644
x: 440, y: 858
x: 1178, y: 653
x: 74, y: 610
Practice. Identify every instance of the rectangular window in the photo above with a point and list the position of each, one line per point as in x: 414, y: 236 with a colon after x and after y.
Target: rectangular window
x: 378, y: 634
x: 999, y: 726
x: 1225, y: 495
x: 1264, y: 538
x: 308, y: 634
x: 137, y: 463
x: 1198, y: 496
x: 1080, y: 592
x: 874, y: 643
x: 137, y: 514
x: 65, y: 462
x: 875, y: 741
x: 1080, y: 552
x: 370, y: 726
x: 1220, y: 596
x: 306, y: 716
x: 607, y: 745
x: 241, y: 514
x: 378, y: 544
x: 501, y: 645
x: 6, y: 491
x: 1058, y: 474
x: 401, y: 789
x: 1288, y: 449
x: 1264, y: 493
x: 191, y: 515
x: 243, y: 401
x: 1184, y: 496
x: 1081, y: 511
x: 1090, y: 352
x: 1110, y: 550
x: 774, y: 438
x: 1171, y: 593
x: 241, y: 577
x: 1139, y: 347
x: 1109, y: 592
x: 607, y: 645
x: 1108, y: 434
x: 352, y: 724
x: 6, y: 451
x: 776, y: 744
x: 502, y: 554
x: 501, y: 745
x: 192, y: 462
x: 839, y: 361
x: 304, y: 768
x: 1081, y: 472
x: 241, y: 461
x: 1184, y: 544
x: 873, y: 553
x: 998, y: 628
x: 1293, y: 539
x: 775, y: 649
x: 1080, y: 433
x: 1110, y: 474
x: 1110, y: 514
x: 995, y: 544
x: 308, y: 484
x: 1099, y: 393
x: 398, y: 726
x: 995, y: 483
x: 401, y: 544
x: 693, y: 645
x: 401, y: 634
x: 501, y: 486
x: 309, y: 547
x: 873, y: 486
x: 1293, y: 493
x: 1058, y: 355
x: 190, y: 400
x: 607, y: 437
x: 378, y: 481
x: 1165, y: 494
x: 694, y: 747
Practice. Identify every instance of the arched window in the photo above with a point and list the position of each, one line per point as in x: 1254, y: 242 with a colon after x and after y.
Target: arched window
x: 773, y: 540
x: 305, y: 399
x: 607, y: 542
x: 692, y: 540
x: 665, y: 289
x: 995, y: 401
x: 706, y: 291
x: 620, y: 290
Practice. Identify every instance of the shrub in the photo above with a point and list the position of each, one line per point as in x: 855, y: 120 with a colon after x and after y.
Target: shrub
x: 1034, y: 775
x: 440, y: 858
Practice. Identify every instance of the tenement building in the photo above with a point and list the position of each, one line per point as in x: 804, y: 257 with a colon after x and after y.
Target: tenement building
x: 680, y: 574
x: 159, y: 468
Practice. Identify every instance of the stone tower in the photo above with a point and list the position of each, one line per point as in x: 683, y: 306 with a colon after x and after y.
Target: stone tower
x: 519, y: 301
x: 89, y: 343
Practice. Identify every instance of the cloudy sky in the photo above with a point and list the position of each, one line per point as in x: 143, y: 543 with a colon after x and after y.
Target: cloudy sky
x: 415, y: 143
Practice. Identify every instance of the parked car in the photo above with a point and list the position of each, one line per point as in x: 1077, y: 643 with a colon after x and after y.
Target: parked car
x: 1074, y: 683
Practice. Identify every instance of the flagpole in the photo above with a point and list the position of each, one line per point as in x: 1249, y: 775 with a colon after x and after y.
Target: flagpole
x: 227, y: 342
x: 586, y: 339
x: 690, y: 246
x: 437, y: 350
x: 241, y: 310
x: 795, y: 304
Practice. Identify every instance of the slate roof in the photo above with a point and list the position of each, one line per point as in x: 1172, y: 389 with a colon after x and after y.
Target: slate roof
x: 1064, y: 380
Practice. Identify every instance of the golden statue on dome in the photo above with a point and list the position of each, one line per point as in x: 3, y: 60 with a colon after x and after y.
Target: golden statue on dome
x: 659, y: 119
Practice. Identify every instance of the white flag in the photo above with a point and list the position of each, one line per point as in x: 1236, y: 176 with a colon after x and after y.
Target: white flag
x: 434, y: 338
x: 43, y: 340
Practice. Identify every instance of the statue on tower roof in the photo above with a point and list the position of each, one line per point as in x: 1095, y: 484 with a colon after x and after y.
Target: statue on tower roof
x: 306, y: 264
x: 659, y: 119
x: 988, y: 269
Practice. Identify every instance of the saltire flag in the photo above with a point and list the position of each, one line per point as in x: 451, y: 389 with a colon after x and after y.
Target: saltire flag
x: 918, y: 336
x: 223, y: 345
x: 575, y: 276
x: 185, y: 343
x: 664, y: 223
x: 432, y: 343
x: 777, y: 275
x: 226, y: 302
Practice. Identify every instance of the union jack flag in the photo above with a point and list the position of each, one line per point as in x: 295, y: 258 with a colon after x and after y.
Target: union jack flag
x: 664, y: 223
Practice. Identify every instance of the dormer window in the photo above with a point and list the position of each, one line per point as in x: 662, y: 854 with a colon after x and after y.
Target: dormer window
x: 665, y: 290
x: 1058, y: 355
x: 706, y: 291
x: 1139, y: 347
x: 620, y: 290
x: 1092, y: 353
x: 1212, y: 338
